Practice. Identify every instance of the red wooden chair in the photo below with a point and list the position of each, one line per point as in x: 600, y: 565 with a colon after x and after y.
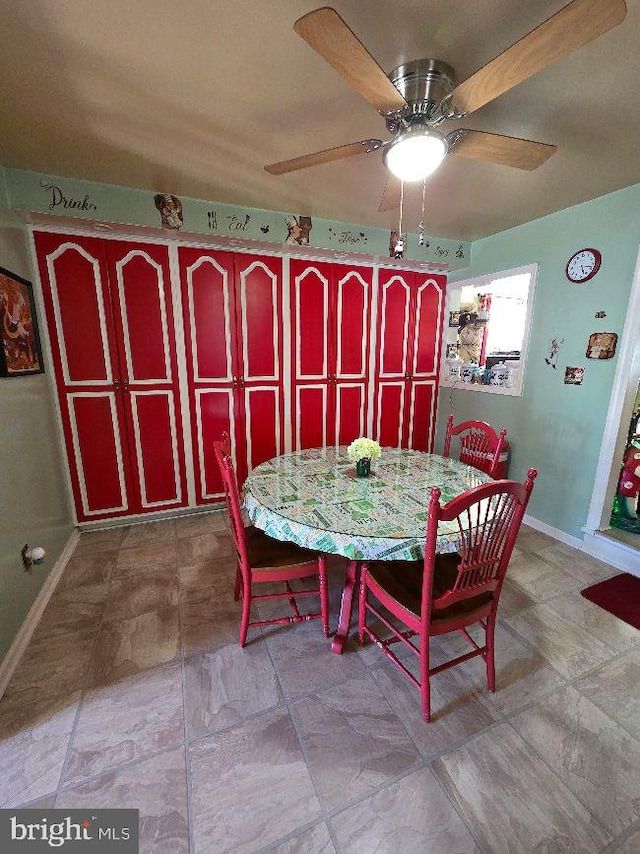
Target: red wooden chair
x: 449, y: 592
x: 261, y: 558
x: 480, y: 445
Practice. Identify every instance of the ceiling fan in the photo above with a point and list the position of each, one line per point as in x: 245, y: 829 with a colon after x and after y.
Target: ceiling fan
x: 419, y: 96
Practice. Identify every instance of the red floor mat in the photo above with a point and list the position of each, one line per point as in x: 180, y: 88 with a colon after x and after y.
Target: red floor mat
x: 619, y: 596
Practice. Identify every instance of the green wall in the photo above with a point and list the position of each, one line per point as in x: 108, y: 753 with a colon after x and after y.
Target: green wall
x: 34, y: 507
x: 554, y: 427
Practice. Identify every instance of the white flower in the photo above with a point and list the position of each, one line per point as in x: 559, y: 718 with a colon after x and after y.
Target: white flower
x: 364, y: 449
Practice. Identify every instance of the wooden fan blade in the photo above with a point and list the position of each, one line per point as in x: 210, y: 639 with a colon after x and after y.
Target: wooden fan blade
x: 326, y: 32
x: 390, y: 195
x: 326, y: 156
x: 560, y: 35
x: 504, y: 150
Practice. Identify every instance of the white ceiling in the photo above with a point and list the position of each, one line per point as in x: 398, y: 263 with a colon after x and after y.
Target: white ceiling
x: 194, y: 97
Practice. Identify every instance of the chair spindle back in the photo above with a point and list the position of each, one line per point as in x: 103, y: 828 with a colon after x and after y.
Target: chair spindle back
x: 480, y: 445
x: 488, y: 519
x: 222, y: 450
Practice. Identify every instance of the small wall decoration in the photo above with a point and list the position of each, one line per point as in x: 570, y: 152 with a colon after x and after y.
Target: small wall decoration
x: 573, y: 376
x: 170, y: 208
x: 20, y: 351
x: 59, y: 200
x: 299, y: 230
x: 454, y: 318
x: 602, y: 345
x: 554, y: 349
x: 348, y: 237
x: 600, y: 314
x: 452, y: 351
x: 397, y: 244
x: 471, y: 333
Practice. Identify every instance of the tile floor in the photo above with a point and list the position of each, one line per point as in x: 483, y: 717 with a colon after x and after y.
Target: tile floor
x: 134, y: 693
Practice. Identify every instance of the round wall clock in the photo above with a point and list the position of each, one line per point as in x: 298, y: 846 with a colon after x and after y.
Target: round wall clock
x: 583, y: 265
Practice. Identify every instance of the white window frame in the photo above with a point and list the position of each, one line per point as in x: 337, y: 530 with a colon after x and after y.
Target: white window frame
x: 453, y: 302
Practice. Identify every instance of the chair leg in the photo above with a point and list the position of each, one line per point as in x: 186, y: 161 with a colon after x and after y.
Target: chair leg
x: 425, y: 686
x: 362, y: 603
x: 490, y: 641
x: 344, y: 618
x: 324, y: 594
x: 244, y: 624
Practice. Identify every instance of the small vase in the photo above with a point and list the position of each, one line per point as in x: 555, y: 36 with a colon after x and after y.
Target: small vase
x: 363, y: 467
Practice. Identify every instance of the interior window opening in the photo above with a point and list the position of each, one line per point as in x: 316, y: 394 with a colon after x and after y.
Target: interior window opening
x: 489, y: 319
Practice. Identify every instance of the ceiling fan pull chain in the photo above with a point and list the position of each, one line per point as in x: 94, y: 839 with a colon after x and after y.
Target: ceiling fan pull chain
x: 398, y: 251
x: 421, y: 223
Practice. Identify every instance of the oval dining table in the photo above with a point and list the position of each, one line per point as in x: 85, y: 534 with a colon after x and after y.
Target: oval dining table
x: 314, y: 498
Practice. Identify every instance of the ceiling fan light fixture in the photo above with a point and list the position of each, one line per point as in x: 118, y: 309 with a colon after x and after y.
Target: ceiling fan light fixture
x: 415, y: 153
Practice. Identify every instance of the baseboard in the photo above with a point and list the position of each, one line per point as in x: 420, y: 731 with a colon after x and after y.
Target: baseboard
x: 556, y: 533
x: 596, y: 544
x: 612, y: 551
x: 142, y: 518
x: 26, y: 630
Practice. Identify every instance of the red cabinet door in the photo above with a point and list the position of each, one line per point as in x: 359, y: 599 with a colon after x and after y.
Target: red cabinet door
x: 74, y: 276
x: 392, y: 357
x: 409, y: 329
x: 311, y: 353
x: 330, y: 323
x: 351, y: 324
x: 425, y: 349
x: 232, y: 315
x: 111, y: 326
x: 143, y: 312
x: 260, y: 415
x: 208, y: 305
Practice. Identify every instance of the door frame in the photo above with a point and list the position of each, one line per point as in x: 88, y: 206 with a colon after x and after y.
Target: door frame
x: 625, y: 385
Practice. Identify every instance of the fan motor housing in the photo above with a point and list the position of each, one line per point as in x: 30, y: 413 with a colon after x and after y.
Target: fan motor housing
x: 423, y: 83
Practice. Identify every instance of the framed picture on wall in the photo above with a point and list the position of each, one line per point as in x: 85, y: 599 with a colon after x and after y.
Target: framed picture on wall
x: 573, y: 376
x: 602, y: 345
x: 452, y: 351
x: 20, y: 351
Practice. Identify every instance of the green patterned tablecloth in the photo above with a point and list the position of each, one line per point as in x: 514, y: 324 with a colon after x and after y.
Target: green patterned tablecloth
x: 312, y: 498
